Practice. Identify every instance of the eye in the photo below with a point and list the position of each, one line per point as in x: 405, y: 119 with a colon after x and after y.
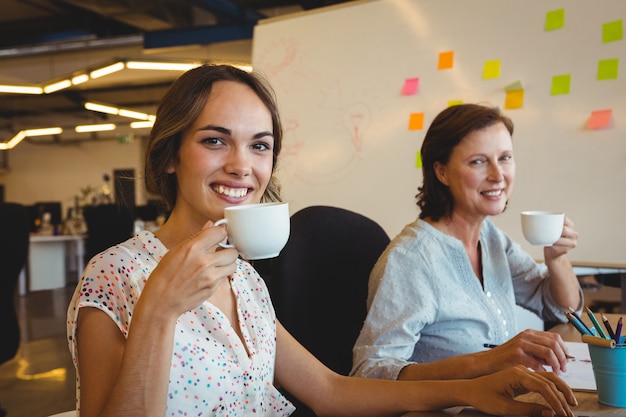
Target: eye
x: 477, y: 161
x: 212, y: 141
x: 261, y: 146
x: 506, y: 158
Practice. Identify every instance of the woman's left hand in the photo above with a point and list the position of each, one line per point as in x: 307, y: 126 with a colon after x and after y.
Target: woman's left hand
x: 567, y: 242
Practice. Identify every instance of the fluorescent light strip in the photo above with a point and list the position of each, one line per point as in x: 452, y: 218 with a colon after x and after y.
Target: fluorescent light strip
x: 94, y: 128
x: 79, y: 79
x: 163, y: 66
x: 60, y: 85
x: 131, y: 114
x: 20, y: 89
x: 102, y: 108
x: 110, y: 69
x: 43, y: 131
x: 142, y: 125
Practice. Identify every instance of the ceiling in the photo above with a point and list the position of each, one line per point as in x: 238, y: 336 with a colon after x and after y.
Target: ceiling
x: 42, y: 41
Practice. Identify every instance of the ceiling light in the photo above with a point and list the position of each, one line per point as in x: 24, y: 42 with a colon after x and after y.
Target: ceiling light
x: 110, y: 69
x: 60, y: 85
x: 43, y: 131
x: 94, y: 128
x: 20, y: 89
x: 142, y: 125
x: 79, y: 79
x: 133, y: 114
x: 13, y: 141
x: 167, y: 66
x: 102, y: 108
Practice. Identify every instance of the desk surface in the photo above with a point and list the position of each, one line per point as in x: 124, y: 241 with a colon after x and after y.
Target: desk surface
x: 588, y: 404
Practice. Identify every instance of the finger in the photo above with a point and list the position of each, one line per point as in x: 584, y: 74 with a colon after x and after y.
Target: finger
x: 558, y: 395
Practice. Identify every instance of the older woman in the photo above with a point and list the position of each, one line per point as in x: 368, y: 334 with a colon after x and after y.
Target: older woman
x: 447, y: 285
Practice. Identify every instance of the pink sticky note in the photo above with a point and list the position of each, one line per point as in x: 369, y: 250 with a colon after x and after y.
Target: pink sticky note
x: 411, y: 86
x: 599, y: 119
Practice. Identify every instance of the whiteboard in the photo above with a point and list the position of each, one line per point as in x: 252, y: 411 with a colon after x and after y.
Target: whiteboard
x: 339, y: 72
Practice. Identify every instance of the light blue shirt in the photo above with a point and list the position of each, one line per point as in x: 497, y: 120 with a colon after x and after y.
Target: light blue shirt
x: 425, y: 302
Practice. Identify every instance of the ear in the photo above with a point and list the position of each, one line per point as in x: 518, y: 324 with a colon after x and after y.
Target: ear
x: 171, y: 168
x: 441, y: 173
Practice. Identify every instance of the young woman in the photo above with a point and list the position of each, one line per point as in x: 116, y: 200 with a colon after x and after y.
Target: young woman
x: 170, y: 324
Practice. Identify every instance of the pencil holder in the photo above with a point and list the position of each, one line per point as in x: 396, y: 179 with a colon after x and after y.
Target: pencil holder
x: 609, y: 369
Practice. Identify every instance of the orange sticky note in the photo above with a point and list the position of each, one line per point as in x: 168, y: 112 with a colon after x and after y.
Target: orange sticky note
x: 411, y: 86
x: 599, y: 119
x: 446, y: 60
x: 416, y: 121
x: 514, y: 99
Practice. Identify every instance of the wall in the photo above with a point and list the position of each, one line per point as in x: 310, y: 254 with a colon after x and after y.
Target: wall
x: 339, y: 75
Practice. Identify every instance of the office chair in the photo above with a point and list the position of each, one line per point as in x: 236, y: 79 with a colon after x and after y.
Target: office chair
x: 107, y: 225
x: 319, y: 282
x: 14, y: 237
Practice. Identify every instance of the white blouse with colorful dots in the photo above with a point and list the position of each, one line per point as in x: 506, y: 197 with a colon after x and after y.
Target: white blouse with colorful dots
x: 211, y: 373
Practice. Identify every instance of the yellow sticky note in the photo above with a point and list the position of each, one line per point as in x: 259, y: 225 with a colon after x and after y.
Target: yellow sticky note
x: 514, y: 99
x: 411, y: 86
x: 454, y: 102
x: 608, y: 69
x: 416, y: 121
x: 418, y: 160
x: 491, y: 69
x: 560, y: 84
x: 555, y: 19
x: 612, y: 31
x: 446, y: 60
x: 599, y: 119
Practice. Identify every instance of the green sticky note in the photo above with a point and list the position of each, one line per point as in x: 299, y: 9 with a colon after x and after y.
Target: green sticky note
x: 612, y: 31
x: 517, y: 85
x: 491, y: 69
x: 560, y: 84
x: 555, y: 19
x: 418, y: 160
x: 608, y: 69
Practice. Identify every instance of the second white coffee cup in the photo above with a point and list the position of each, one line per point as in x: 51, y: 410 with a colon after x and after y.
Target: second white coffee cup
x: 542, y: 228
x: 258, y: 231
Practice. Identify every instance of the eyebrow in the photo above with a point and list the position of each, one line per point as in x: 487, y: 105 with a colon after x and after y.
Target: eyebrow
x: 229, y: 132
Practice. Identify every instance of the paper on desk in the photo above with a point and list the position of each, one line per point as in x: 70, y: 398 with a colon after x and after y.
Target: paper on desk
x: 579, y: 375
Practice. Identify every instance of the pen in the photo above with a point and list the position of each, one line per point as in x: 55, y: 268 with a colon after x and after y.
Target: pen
x: 582, y: 329
x: 573, y: 312
x: 490, y: 346
x: 618, y: 331
x: 608, y: 327
x: 595, y: 323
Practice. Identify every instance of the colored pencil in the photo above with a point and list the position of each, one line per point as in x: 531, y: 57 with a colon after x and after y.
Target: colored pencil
x: 578, y: 324
x: 608, y: 327
x: 593, y: 319
x: 571, y: 310
x: 618, y: 330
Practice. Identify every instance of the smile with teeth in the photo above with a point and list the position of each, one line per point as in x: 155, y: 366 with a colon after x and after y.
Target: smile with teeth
x: 493, y: 193
x: 231, y: 192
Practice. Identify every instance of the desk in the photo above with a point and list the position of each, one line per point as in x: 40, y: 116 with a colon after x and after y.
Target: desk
x: 588, y: 404
x: 50, y: 258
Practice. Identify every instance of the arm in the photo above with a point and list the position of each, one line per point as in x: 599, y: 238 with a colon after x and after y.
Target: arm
x: 328, y: 393
x: 129, y: 376
x: 564, y: 286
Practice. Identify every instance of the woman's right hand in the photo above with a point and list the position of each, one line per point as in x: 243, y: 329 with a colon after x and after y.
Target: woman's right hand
x: 533, y: 349
x: 191, y: 272
x: 495, y: 393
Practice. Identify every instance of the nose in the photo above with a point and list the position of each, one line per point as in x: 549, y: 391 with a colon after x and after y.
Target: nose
x: 238, y: 163
x: 495, y: 173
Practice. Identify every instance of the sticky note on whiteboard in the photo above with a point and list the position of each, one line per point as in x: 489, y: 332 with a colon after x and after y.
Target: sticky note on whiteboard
x: 599, y: 119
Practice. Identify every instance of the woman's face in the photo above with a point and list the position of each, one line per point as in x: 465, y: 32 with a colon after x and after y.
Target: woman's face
x: 225, y: 157
x: 480, y: 173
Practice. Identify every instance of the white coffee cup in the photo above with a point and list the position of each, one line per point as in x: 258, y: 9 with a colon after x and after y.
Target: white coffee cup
x: 258, y: 231
x: 542, y: 228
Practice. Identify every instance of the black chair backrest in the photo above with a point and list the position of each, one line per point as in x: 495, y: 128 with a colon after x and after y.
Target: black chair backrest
x: 14, y: 237
x: 319, y: 281
x: 107, y: 225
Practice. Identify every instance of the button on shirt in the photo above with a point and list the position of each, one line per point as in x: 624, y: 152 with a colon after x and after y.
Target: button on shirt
x: 425, y: 302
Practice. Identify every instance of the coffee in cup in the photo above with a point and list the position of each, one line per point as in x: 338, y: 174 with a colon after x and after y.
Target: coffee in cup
x: 257, y: 231
x: 542, y: 228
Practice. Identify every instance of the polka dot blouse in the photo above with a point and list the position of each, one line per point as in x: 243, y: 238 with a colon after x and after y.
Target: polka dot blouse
x: 211, y: 373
